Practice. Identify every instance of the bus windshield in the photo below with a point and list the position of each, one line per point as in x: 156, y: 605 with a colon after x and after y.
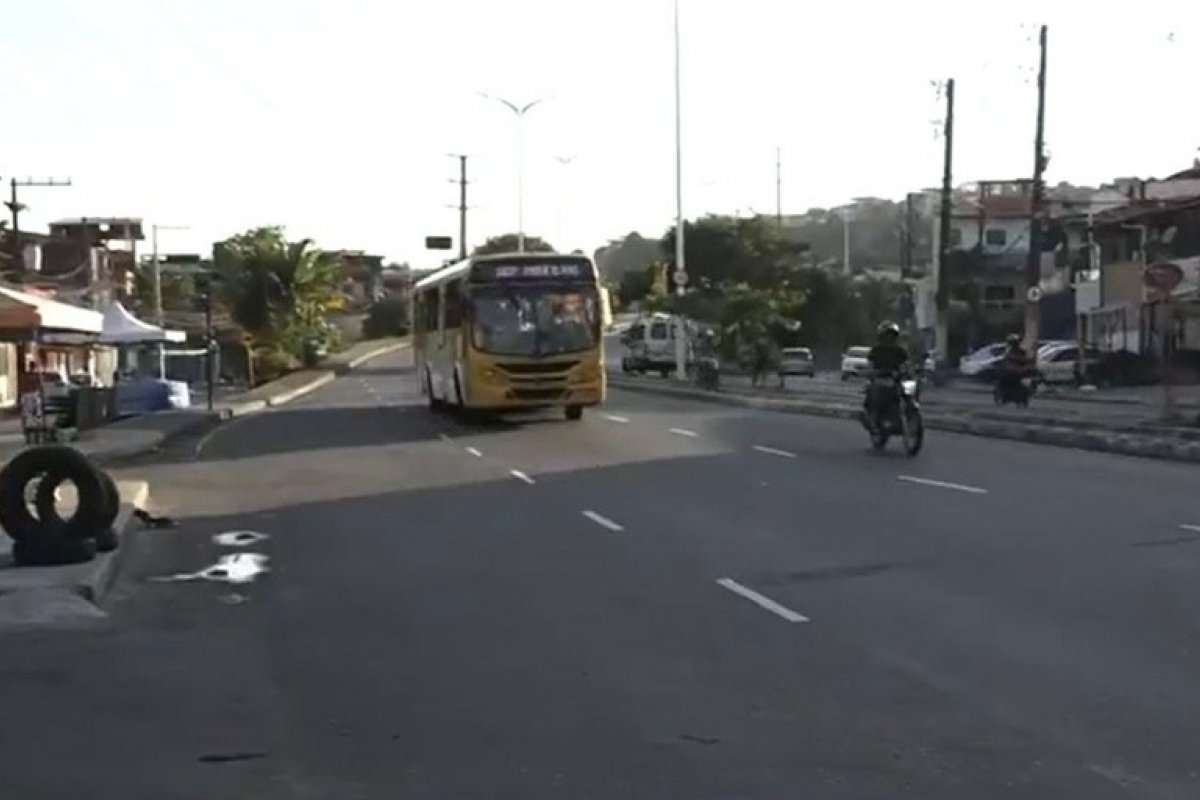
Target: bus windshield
x: 534, y: 322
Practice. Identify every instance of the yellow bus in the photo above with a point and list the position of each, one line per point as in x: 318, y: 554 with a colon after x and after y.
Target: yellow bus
x: 510, y: 332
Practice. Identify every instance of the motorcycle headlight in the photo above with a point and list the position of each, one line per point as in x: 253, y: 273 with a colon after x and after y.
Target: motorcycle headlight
x: 909, y: 386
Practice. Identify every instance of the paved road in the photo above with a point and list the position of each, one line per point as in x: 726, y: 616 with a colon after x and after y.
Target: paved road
x: 665, y: 600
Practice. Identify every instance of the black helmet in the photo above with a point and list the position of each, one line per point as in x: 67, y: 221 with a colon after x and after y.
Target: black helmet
x: 887, y: 327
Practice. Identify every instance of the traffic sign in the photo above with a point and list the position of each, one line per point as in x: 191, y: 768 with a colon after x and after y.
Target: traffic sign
x: 439, y: 243
x: 1163, y: 276
x: 680, y: 277
x: 1034, y: 294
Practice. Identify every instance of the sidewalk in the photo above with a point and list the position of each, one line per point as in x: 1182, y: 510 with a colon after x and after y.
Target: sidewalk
x: 1124, y: 407
x: 1115, y: 429
x: 148, y: 432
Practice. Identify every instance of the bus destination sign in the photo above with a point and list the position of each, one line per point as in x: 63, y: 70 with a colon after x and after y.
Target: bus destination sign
x: 537, y: 270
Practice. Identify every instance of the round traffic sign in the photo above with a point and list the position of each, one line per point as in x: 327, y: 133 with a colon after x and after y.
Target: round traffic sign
x: 680, y: 277
x: 1034, y: 294
x: 1163, y: 276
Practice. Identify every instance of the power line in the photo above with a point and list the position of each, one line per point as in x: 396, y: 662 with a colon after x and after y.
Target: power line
x: 14, y: 204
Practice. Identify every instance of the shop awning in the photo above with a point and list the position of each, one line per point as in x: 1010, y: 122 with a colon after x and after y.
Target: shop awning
x: 22, y: 311
x: 121, y: 327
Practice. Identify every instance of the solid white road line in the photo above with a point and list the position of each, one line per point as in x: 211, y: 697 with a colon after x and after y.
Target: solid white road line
x: 774, y: 451
x: 473, y: 451
x: 1192, y: 528
x: 958, y: 487
x: 615, y: 418
x: 684, y: 432
x: 603, y: 522
x: 762, y: 600
x: 521, y: 476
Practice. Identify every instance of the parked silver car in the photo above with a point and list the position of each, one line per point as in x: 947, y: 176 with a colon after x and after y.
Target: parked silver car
x: 796, y: 361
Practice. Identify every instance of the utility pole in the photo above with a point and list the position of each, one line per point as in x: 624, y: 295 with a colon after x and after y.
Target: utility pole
x: 846, y: 241
x: 14, y: 205
x: 906, y: 254
x: 942, y: 297
x: 778, y: 188
x: 681, y: 276
x: 462, y: 205
x: 1037, y: 202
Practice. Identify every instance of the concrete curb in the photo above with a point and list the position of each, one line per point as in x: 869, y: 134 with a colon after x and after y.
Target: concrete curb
x: 1121, y: 442
x: 93, y: 580
x: 97, y: 583
x: 382, y: 350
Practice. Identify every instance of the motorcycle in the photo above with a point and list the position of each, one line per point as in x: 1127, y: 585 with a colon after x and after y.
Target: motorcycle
x: 708, y: 373
x: 1014, y: 388
x: 900, y: 414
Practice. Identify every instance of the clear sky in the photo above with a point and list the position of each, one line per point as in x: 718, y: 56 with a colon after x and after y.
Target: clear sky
x: 335, y: 117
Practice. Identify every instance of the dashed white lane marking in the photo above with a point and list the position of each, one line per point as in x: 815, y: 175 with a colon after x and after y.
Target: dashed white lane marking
x: 774, y: 451
x: 615, y: 418
x: 762, y: 600
x: 958, y: 487
x: 474, y: 451
x: 1192, y: 528
x: 521, y: 476
x: 603, y: 522
x: 684, y: 432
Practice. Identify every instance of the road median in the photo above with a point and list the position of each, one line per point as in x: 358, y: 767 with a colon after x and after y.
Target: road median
x: 1144, y: 441
x: 39, y: 596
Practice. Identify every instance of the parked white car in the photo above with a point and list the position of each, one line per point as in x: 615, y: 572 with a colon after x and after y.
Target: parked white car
x: 979, y: 362
x: 854, y: 363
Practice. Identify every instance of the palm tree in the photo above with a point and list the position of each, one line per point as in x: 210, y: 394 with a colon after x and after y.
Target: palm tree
x: 277, y: 290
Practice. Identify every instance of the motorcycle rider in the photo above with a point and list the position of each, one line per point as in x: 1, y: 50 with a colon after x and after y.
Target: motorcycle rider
x: 886, y: 358
x: 1013, y: 366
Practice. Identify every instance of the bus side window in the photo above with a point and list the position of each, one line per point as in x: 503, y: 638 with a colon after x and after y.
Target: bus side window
x: 454, y: 312
x: 429, y: 311
x: 454, y: 305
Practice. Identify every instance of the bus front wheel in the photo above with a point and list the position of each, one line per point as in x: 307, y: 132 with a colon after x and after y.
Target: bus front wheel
x: 574, y: 412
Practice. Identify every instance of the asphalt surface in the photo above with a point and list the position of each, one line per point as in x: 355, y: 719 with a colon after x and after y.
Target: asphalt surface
x: 665, y: 600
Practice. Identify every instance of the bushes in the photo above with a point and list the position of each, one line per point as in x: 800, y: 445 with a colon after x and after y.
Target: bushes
x: 271, y: 363
x: 386, y: 317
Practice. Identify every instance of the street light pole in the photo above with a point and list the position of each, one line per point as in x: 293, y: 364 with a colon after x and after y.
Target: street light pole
x: 156, y: 267
x: 519, y: 112
x: 680, y: 262
x: 563, y: 179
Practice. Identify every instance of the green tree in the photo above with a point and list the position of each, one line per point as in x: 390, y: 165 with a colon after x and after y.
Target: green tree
x: 281, y: 292
x: 722, y: 251
x: 634, y: 254
x: 386, y: 317
x: 507, y: 243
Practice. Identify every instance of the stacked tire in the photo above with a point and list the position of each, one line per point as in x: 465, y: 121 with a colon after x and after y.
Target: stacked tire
x: 41, y: 536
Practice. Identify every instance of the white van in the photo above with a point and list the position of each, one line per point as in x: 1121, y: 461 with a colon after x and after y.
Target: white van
x: 650, y: 345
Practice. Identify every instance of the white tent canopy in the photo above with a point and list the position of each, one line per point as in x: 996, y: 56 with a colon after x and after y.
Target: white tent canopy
x: 121, y: 327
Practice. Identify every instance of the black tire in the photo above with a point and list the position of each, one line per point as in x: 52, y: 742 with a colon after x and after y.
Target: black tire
x: 56, y: 463
x: 916, y: 439
x: 879, y: 440
x: 52, y: 551
x: 664, y: 373
x: 434, y: 403
x: 46, y: 507
x: 573, y: 413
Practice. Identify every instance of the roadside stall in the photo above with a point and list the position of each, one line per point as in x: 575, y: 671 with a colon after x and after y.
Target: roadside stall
x: 54, y: 340
x: 139, y: 389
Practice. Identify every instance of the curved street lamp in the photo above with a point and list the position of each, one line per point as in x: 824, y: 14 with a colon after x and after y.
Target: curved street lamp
x: 519, y: 111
